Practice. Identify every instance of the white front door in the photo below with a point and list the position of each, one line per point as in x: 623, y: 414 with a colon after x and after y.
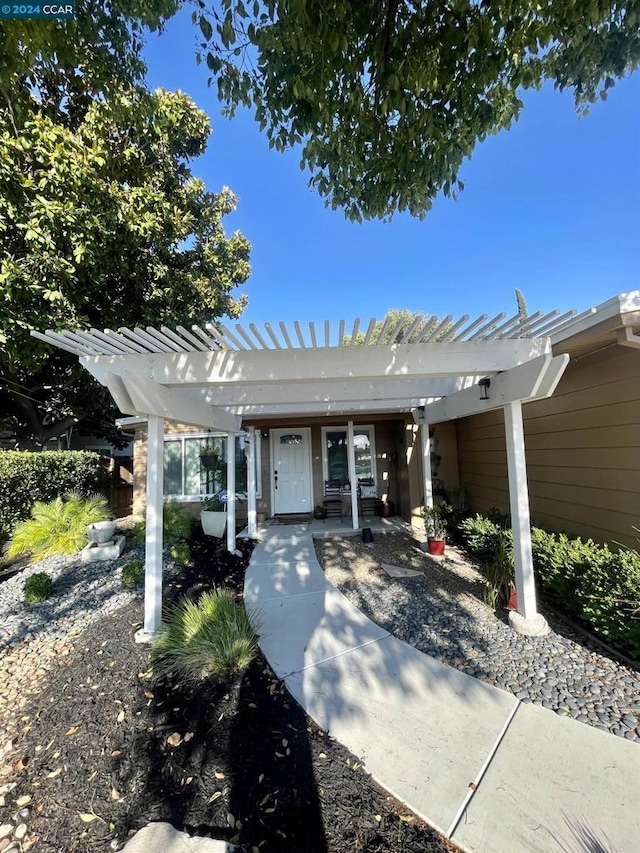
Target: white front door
x: 291, y: 470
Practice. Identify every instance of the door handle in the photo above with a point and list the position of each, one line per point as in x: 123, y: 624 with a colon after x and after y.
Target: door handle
x: 275, y: 479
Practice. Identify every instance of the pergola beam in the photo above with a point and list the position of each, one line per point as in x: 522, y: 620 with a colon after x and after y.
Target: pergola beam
x: 137, y: 396
x: 532, y: 380
x: 372, y: 363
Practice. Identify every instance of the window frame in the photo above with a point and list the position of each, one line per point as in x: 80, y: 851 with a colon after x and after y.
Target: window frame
x: 356, y: 427
x: 182, y: 438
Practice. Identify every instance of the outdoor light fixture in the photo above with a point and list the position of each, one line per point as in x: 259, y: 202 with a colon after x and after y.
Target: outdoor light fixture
x: 484, y: 384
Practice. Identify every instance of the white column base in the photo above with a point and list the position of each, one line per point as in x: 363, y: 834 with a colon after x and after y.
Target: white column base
x: 535, y: 627
x: 143, y: 636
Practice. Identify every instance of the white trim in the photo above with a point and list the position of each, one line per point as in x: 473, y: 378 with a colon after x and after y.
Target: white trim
x: 353, y: 478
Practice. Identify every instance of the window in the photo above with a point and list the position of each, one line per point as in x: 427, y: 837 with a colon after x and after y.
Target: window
x: 196, y: 465
x: 335, y: 465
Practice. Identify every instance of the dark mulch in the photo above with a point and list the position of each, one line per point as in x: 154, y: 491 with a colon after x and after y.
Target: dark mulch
x: 236, y: 759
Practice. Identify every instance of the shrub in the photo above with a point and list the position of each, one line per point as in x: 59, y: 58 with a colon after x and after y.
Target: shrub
x: 180, y: 553
x: 176, y: 524
x: 133, y: 574
x: 598, y: 586
x: 37, y: 588
x: 214, y: 636
x: 480, y: 536
x: 58, y: 527
x: 26, y: 478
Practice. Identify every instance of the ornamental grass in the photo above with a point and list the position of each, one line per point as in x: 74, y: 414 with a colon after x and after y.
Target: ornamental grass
x: 214, y: 636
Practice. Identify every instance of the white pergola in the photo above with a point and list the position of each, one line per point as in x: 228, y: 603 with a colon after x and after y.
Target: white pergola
x: 213, y: 377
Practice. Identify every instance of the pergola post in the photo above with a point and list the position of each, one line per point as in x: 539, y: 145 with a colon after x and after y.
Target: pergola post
x: 153, y: 537
x: 252, y: 526
x: 351, y: 461
x: 527, y: 620
x: 425, y: 439
x: 231, y: 492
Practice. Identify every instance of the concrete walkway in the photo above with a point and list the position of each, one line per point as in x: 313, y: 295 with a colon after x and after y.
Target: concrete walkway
x: 491, y: 773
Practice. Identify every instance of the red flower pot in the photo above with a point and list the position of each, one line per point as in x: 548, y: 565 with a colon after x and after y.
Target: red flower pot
x: 436, y: 547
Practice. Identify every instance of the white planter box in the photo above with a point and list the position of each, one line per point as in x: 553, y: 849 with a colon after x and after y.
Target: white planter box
x: 213, y: 523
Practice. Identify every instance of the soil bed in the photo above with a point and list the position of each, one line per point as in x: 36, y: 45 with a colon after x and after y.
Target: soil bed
x: 105, y: 749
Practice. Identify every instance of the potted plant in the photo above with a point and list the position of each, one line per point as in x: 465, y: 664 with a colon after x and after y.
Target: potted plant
x: 213, y: 515
x: 209, y: 458
x: 435, y: 522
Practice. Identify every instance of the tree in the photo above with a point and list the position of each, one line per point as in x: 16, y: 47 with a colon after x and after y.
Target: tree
x: 104, y: 225
x: 388, y: 98
x: 66, y: 63
x: 414, y: 325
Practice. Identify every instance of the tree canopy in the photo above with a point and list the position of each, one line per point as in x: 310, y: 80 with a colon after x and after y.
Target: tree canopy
x: 103, y: 225
x: 388, y: 98
x: 65, y: 63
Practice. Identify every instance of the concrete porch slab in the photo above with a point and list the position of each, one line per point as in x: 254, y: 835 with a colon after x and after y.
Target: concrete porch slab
x: 421, y: 728
x: 307, y: 629
x: 556, y: 785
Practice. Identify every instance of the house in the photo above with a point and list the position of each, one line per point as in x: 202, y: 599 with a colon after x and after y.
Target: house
x: 582, y: 444
x: 303, y: 407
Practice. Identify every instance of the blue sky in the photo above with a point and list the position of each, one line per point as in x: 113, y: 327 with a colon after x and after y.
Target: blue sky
x: 551, y: 206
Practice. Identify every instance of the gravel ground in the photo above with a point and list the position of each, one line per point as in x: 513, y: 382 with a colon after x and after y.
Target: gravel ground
x: 442, y: 613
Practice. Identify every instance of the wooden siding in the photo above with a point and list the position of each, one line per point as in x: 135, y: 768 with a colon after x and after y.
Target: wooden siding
x: 583, y: 451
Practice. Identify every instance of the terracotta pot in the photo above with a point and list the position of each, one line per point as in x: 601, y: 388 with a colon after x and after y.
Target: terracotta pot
x: 436, y: 547
x: 513, y: 598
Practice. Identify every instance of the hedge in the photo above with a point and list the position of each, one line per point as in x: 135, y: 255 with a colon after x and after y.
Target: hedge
x: 599, y: 586
x: 29, y: 477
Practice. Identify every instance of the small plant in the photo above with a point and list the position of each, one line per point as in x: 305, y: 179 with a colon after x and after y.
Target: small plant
x: 435, y: 520
x: 58, y: 527
x: 216, y: 503
x: 180, y: 553
x: 133, y: 574
x: 499, y: 571
x: 214, y: 636
x: 176, y: 524
x: 37, y: 588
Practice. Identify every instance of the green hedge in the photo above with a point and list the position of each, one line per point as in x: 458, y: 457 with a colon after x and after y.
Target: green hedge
x: 599, y: 586
x: 29, y: 477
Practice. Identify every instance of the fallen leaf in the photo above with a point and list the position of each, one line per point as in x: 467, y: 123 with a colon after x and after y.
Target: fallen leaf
x: 121, y: 716
x: 219, y: 775
x: 87, y: 817
x: 322, y: 755
x: 115, y: 795
x: 214, y: 797
x: 188, y: 737
x: 378, y: 817
x: 260, y: 778
x: 54, y: 773
x: 23, y: 801
x: 285, y: 742
x: 73, y: 730
x: 188, y: 780
x: 175, y: 739
x: 231, y: 820
x: 148, y: 694
x: 21, y: 763
x: 116, y: 753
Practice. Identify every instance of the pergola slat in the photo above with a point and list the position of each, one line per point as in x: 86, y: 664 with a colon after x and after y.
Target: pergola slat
x: 296, y: 326
x: 470, y: 328
x: 164, y: 339
x: 191, y: 338
x: 258, y: 336
x: 273, y: 336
